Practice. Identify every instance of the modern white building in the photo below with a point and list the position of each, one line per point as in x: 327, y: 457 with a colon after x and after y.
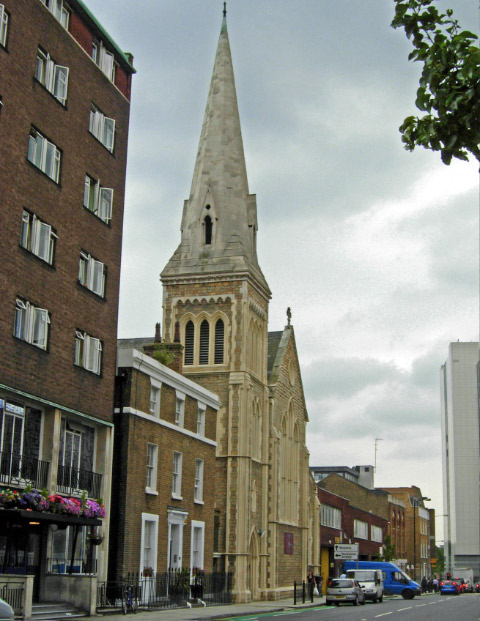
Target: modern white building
x: 461, y: 457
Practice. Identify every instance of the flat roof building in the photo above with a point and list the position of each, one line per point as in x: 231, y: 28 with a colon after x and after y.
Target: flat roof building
x: 461, y: 457
x: 64, y: 115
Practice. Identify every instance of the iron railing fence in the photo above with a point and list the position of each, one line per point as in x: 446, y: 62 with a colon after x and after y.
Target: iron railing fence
x: 67, y: 566
x: 20, y: 470
x: 172, y: 589
x: 12, y: 593
x: 74, y: 481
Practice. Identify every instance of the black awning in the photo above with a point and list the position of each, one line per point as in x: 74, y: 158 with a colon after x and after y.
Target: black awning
x: 21, y: 515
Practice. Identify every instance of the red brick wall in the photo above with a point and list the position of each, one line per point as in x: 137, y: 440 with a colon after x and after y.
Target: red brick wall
x: 52, y: 375
x: 81, y: 32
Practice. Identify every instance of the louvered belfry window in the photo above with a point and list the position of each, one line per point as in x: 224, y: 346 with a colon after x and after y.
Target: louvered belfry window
x: 204, y: 339
x: 189, y: 338
x: 208, y: 230
x: 219, y: 340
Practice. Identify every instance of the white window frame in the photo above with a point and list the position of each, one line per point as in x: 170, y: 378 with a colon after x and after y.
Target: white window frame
x: 152, y: 465
x: 91, y: 274
x: 102, y: 127
x: 177, y: 475
x: 31, y: 324
x: 59, y: 9
x: 360, y: 529
x: 376, y: 533
x: 331, y: 516
x: 97, y: 199
x: 53, y: 77
x: 198, y: 482
x: 37, y: 237
x: 3, y: 26
x: 180, y: 408
x: 88, y: 352
x: 105, y: 60
x: 149, y: 517
x: 155, y: 397
x: 44, y: 155
x: 199, y: 563
x: 201, y: 415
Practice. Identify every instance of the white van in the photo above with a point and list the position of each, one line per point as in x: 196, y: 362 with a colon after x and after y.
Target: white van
x: 371, y: 581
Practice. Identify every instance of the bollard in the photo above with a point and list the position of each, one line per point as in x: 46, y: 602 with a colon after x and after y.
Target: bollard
x: 295, y: 593
x: 303, y: 592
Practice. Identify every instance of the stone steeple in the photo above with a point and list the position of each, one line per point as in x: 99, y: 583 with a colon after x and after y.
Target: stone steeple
x: 219, y: 221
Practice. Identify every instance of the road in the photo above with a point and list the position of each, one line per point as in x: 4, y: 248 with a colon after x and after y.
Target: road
x: 433, y: 608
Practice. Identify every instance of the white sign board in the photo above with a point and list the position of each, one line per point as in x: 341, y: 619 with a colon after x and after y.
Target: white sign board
x: 346, y: 551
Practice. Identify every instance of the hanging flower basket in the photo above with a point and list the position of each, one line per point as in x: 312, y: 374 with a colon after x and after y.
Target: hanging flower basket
x: 96, y: 539
x: 34, y: 500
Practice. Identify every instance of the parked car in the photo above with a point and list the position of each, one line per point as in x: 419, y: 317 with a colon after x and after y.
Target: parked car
x: 6, y: 611
x: 449, y: 587
x: 395, y: 581
x: 371, y: 581
x: 342, y: 590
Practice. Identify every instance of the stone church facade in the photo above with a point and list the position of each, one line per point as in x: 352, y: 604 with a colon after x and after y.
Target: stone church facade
x: 266, y: 509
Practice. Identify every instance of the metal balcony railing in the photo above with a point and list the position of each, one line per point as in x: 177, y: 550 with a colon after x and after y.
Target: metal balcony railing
x: 21, y: 470
x: 75, y: 481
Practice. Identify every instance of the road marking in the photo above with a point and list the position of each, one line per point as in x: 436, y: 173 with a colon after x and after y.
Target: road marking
x: 384, y: 614
x: 409, y: 608
x: 420, y: 605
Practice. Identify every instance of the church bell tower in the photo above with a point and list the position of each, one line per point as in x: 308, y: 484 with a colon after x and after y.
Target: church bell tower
x: 215, y: 290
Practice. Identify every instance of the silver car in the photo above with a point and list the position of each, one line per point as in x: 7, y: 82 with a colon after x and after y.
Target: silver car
x: 344, y: 590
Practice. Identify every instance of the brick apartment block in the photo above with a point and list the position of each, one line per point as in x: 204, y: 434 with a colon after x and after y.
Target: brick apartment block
x: 65, y: 101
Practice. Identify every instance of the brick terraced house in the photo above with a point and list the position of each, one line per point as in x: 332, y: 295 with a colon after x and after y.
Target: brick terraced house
x: 64, y: 101
x: 164, y: 467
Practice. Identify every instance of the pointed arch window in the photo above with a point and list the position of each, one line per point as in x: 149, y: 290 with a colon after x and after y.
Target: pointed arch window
x: 204, y: 341
x: 189, y: 339
x: 219, y: 341
x: 208, y: 230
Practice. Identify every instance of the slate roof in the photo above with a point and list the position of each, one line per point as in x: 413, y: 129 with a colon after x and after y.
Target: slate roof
x: 274, y: 339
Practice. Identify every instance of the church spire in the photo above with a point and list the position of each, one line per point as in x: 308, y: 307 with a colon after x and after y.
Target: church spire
x: 219, y: 221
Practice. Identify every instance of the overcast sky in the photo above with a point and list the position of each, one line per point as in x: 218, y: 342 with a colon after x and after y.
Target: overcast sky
x: 374, y: 249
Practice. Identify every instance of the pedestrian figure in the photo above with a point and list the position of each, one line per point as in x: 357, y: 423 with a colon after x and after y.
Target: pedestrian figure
x: 424, y: 585
x: 311, y: 583
x: 435, y: 585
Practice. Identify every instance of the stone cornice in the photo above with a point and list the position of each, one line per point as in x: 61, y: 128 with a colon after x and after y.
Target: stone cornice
x: 164, y: 423
x: 183, y: 279
x: 147, y: 364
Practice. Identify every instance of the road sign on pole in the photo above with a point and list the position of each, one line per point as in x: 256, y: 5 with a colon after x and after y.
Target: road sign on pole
x: 346, y: 551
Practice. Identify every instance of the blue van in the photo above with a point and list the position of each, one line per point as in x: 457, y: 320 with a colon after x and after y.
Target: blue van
x: 395, y: 581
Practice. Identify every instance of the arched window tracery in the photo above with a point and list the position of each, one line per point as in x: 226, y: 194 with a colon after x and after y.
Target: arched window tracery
x: 204, y: 340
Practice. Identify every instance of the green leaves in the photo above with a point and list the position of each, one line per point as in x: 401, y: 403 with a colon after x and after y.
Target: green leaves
x: 449, y: 89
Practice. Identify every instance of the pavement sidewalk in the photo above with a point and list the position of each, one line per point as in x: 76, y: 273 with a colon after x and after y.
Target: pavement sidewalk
x: 219, y: 612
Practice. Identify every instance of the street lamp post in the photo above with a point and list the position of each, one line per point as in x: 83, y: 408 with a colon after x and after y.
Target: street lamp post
x: 416, y: 502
